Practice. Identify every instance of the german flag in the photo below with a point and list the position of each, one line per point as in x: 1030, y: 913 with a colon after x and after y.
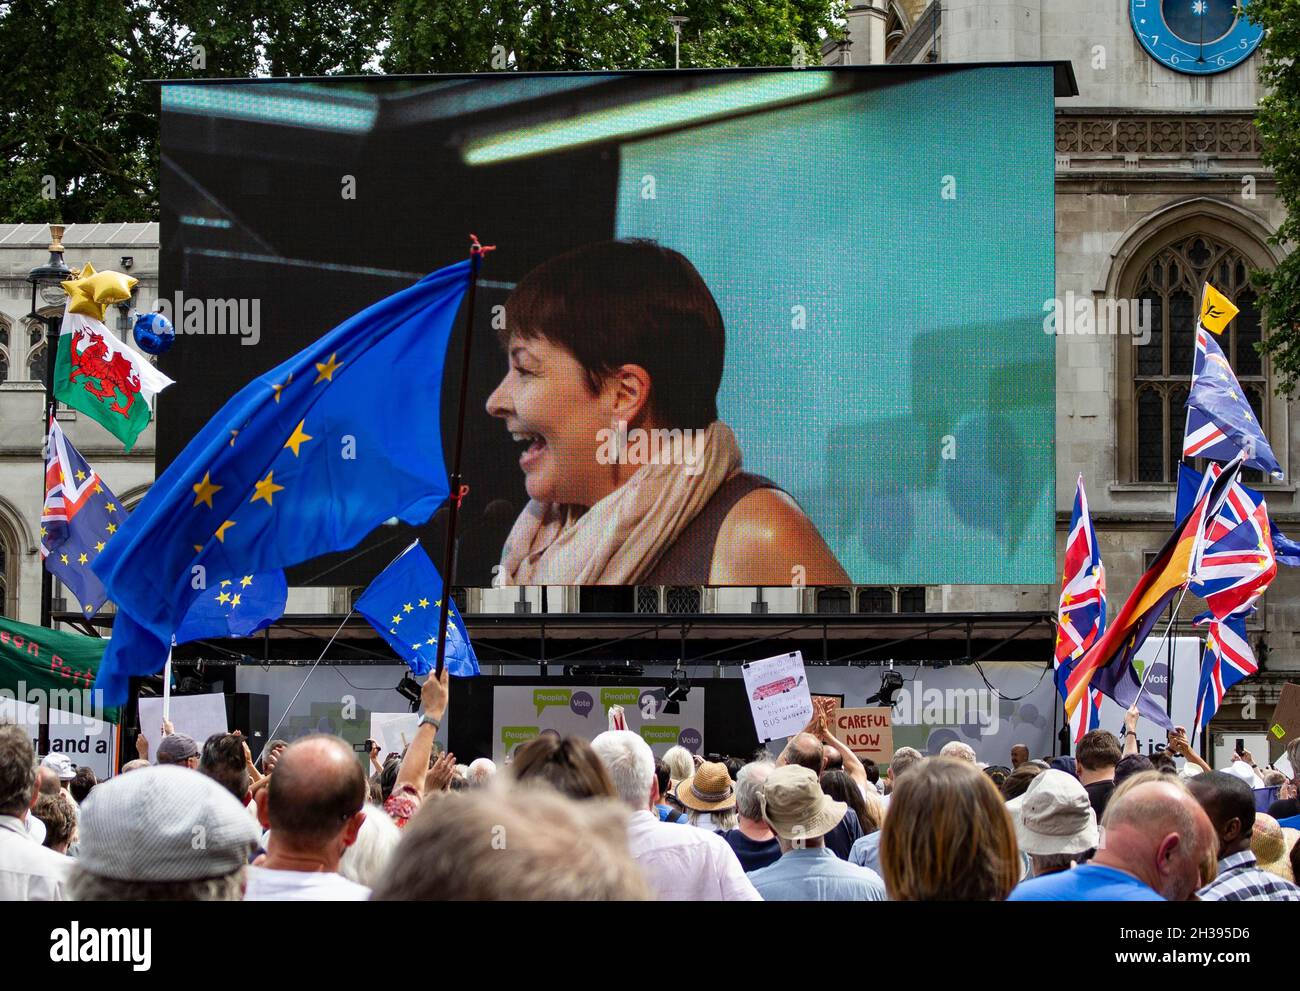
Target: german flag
x: 1171, y: 571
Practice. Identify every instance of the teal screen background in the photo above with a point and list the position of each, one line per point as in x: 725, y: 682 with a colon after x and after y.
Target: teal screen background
x: 886, y: 360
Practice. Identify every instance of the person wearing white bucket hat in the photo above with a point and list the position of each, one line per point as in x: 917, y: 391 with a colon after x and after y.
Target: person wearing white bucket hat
x: 1055, y: 824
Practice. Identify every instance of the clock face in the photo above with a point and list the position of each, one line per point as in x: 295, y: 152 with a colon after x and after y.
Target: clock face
x: 1195, y: 36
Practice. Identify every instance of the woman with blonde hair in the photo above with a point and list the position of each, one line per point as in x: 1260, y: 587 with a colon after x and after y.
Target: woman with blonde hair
x: 681, y: 763
x: 948, y: 836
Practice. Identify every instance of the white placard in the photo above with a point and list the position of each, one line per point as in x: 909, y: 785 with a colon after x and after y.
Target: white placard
x: 20, y: 713
x: 393, y: 731
x: 777, y: 689
x: 87, y: 742
x: 1283, y: 764
x: 198, y: 716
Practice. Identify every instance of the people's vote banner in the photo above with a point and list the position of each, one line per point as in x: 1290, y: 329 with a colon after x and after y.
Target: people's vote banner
x: 522, y: 712
x: 868, y: 732
x: 777, y: 689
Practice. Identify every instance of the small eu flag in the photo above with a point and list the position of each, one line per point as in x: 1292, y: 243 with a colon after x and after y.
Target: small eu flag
x: 79, y: 517
x: 304, y: 460
x: 403, y: 604
x: 235, y: 606
x: 1220, y: 421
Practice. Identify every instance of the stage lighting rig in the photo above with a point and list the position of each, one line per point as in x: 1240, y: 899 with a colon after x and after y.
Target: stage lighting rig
x: 890, y: 682
x: 677, y: 692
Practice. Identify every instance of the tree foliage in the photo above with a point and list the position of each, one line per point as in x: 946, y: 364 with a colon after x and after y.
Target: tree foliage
x: 1278, y: 121
x: 79, y: 118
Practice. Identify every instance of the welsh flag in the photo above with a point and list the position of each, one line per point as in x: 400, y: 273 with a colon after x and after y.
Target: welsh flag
x: 105, y: 378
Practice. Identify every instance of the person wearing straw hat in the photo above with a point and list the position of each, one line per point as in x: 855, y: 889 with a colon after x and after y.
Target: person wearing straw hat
x: 801, y: 815
x: 1230, y: 803
x: 708, y: 797
x: 1271, y: 845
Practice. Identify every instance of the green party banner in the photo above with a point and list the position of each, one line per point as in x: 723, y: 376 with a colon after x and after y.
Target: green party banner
x: 51, y: 669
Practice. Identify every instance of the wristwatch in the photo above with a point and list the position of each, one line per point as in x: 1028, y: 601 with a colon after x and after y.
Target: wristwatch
x: 426, y: 718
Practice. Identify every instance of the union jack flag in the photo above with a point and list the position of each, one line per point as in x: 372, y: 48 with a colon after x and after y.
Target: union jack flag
x: 1228, y: 658
x: 1081, y: 613
x: 1237, y: 562
x: 79, y: 517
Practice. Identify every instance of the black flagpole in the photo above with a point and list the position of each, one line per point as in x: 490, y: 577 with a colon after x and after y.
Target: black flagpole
x: 476, y: 252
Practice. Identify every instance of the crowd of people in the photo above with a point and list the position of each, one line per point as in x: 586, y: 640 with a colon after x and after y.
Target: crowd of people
x: 568, y: 819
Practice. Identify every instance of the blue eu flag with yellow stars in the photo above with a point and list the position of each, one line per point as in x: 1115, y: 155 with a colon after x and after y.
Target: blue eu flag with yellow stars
x: 79, y: 518
x: 235, y: 606
x: 305, y: 460
x: 403, y: 605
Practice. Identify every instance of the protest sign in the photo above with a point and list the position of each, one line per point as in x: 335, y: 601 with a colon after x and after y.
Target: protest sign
x: 868, y: 732
x: 197, y: 716
x: 777, y: 689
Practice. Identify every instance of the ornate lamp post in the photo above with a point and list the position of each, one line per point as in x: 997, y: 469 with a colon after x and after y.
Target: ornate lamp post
x: 45, y: 280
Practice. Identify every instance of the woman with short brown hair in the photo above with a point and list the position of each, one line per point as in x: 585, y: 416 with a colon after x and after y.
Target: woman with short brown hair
x: 566, y: 763
x: 948, y: 836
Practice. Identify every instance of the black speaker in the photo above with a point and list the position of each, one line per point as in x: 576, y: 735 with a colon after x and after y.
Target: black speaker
x: 251, y: 715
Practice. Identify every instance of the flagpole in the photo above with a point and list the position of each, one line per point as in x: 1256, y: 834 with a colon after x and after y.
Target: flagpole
x: 1151, y: 666
x: 476, y: 252
x: 289, y: 708
x: 167, y: 687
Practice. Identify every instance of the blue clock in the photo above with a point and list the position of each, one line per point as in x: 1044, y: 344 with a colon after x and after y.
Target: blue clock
x: 1195, y: 36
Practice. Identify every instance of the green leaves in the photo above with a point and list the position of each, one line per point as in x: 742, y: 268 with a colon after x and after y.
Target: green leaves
x: 79, y: 126
x: 1278, y: 121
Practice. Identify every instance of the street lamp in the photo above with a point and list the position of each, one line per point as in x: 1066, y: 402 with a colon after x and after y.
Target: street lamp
x: 677, y: 20
x: 45, y: 280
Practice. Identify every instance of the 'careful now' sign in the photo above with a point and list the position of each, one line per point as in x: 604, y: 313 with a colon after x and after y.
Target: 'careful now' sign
x: 867, y: 732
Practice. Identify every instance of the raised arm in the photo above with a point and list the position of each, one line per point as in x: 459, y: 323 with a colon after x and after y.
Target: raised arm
x: 415, y: 765
x: 1130, y: 730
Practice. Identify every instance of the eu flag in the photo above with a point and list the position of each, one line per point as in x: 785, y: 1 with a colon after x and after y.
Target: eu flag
x: 305, y: 460
x: 235, y: 606
x: 1220, y: 421
x: 403, y: 605
x: 79, y: 517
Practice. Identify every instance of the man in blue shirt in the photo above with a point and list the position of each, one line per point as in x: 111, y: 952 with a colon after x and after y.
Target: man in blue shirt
x: 801, y: 815
x: 1158, y: 844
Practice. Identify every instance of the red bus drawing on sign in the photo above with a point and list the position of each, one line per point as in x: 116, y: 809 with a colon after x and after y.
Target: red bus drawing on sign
x: 776, y: 688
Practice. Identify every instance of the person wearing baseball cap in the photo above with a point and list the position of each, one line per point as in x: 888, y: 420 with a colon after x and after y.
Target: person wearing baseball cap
x: 801, y: 814
x: 61, y: 765
x: 179, y: 749
x: 139, y: 840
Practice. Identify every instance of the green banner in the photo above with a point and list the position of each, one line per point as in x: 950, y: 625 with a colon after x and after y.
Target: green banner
x: 51, y: 669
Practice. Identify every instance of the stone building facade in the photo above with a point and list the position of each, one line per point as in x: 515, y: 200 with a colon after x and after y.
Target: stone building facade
x: 1159, y: 184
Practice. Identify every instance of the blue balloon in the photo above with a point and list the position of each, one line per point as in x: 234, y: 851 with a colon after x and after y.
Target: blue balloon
x: 153, y: 333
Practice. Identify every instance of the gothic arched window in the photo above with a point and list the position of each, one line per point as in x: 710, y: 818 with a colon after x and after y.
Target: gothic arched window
x: 36, y: 352
x: 1162, y: 368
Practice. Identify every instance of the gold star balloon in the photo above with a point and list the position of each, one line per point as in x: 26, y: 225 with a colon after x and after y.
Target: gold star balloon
x: 93, y: 291
x: 78, y: 290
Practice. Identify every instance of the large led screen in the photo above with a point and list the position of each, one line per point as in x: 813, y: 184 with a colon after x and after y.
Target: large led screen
x: 741, y: 327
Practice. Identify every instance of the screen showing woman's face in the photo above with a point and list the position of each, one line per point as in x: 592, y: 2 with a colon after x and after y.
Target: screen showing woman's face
x: 549, y: 409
